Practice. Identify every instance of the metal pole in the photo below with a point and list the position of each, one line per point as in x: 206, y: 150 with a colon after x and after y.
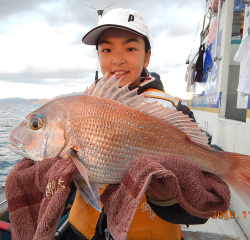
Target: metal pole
x: 217, y: 32
x: 99, y: 12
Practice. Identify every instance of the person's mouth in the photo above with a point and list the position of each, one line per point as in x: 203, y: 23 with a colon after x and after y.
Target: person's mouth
x: 120, y: 73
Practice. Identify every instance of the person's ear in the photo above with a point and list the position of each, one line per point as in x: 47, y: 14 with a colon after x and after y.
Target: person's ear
x: 147, y: 59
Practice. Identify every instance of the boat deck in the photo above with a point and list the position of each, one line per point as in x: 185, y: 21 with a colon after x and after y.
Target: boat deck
x: 219, y: 229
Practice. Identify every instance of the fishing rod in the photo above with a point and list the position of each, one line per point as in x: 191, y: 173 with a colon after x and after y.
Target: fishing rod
x: 99, y: 13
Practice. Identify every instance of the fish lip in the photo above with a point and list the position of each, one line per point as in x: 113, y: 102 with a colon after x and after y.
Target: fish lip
x: 15, y: 143
x: 20, y: 151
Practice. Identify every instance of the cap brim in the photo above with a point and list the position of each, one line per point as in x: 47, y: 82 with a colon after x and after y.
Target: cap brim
x: 91, y: 37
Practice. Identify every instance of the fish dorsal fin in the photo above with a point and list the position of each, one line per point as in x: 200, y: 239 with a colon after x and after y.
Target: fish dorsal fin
x: 108, y: 88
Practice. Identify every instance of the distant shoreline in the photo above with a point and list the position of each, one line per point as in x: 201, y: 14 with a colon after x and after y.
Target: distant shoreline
x: 18, y: 100
x: 35, y: 100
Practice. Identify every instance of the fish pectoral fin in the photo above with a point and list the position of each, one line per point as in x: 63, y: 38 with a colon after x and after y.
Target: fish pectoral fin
x: 89, y: 189
x: 100, y: 185
x: 76, y: 148
x: 87, y: 193
x: 82, y: 169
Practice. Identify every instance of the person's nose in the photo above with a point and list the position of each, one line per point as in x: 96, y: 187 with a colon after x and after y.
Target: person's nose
x: 118, y: 58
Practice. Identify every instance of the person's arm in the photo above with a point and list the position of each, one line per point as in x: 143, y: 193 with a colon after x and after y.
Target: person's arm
x: 170, y: 210
x: 175, y: 214
x: 185, y: 110
x: 172, y: 213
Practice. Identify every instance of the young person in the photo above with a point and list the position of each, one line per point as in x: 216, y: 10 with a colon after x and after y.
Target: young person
x: 122, y: 43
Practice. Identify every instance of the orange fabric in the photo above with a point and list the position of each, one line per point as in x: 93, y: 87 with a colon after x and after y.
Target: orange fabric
x: 145, y: 225
x: 156, y: 90
x: 83, y: 216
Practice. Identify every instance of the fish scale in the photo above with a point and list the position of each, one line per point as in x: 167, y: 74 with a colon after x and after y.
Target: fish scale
x: 105, y: 138
x: 126, y: 133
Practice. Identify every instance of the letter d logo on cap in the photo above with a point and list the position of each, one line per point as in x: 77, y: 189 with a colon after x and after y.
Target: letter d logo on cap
x: 131, y: 18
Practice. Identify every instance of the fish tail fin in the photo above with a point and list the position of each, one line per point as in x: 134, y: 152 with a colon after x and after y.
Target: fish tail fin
x: 238, y: 176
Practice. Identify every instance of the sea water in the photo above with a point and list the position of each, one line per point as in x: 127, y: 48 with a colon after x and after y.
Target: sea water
x: 10, y: 116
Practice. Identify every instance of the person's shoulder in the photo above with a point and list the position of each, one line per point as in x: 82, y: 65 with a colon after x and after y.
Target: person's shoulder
x: 153, y: 89
x: 150, y: 82
x: 163, y: 102
x: 156, y: 90
x: 163, y: 98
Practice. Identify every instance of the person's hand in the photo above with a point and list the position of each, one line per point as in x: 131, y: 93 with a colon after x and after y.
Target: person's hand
x: 157, y: 190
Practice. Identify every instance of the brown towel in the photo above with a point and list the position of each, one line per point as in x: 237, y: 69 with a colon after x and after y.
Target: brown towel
x: 197, y: 192
x: 36, y: 193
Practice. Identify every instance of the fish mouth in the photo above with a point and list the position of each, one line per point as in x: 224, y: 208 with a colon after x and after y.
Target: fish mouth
x: 16, y: 146
x: 15, y: 143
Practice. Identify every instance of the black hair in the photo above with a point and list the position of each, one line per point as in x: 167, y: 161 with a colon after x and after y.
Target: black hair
x: 147, y: 44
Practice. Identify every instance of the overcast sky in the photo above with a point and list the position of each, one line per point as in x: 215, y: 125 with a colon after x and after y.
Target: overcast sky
x: 42, y: 56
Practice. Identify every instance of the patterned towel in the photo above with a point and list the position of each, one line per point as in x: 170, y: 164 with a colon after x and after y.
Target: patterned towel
x: 197, y: 192
x: 36, y: 193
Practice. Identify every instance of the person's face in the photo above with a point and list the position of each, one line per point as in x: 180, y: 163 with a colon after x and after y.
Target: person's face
x: 122, y: 52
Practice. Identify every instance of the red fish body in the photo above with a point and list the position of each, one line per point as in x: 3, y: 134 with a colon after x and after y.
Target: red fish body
x: 109, y: 129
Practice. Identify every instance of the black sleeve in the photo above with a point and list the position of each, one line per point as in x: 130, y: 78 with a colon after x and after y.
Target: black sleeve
x: 185, y: 110
x: 175, y: 214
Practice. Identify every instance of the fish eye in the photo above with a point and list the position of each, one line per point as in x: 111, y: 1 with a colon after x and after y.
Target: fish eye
x: 36, y: 122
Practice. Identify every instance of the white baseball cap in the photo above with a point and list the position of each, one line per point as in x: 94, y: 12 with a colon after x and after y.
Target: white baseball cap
x: 127, y: 19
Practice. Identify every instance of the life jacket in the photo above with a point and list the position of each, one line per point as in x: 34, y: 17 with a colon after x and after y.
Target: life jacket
x: 161, y: 95
x: 146, y: 225
x: 153, y: 87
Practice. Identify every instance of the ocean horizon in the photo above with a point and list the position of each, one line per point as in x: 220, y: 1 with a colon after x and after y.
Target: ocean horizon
x: 10, y: 116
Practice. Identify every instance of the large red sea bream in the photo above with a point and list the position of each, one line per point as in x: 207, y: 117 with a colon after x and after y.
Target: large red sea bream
x: 109, y: 128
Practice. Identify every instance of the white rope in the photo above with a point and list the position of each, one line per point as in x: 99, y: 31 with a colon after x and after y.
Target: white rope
x: 103, y: 8
x: 111, y: 4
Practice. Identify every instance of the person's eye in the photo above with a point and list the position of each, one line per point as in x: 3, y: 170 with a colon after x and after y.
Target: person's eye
x: 131, y: 49
x: 106, y: 50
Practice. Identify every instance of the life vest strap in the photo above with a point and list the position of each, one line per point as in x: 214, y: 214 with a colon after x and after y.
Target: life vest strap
x: 154, y: 93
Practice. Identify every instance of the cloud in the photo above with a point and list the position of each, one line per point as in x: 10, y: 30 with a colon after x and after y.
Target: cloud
x: 175, y: 18
x: 47, y: 78
x: 57, y: 13
x: 28, y: 90
x: 42, y: 39
x: 48, y: 75
x: 9, y: 8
